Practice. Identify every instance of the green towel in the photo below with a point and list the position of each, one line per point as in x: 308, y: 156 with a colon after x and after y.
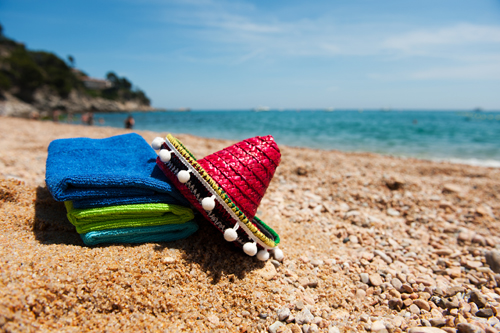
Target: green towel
x: 127, y: 216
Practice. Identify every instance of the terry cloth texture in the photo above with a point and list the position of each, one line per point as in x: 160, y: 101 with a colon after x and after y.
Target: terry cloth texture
x: 162, y: 233
x: 105, y: 172
x: 127, y: 216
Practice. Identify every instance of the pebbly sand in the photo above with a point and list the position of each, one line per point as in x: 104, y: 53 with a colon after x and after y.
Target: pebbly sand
x: 371, y: 243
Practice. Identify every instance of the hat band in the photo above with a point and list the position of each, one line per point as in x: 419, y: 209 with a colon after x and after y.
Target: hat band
x: 247, y: 226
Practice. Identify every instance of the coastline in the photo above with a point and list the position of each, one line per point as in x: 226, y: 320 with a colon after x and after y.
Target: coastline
x: 371, y: 242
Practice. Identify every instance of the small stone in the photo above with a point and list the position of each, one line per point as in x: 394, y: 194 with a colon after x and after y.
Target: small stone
x: 375, y: 279
x: 213, y: 319
x: 451, y: 188
x: 313, y: 329
x: 304, y: 317
x: 443, y: 252
x: 493, y: 260
x: 437, y: 322
x: 452, y: 291
x: 422, y: 304
x: 283, y: 313
x: 299, y: 305
x: 425, y: 330
x: 333, y: 329
x: 484, y: 313
x: 392, y: 212
x: 468, y: 328
x: 473, y: 264
x: 360, y: 294
x: 414, y: 309
x: 268, y: 271
x: 379, y: 327
x: 450, y: 302
x: 365, y: 278
x: 425, y: 322
x: 454, y: 272
x: 276, y: 263
x: 274, y: 327
x: 317, y: 262
x: 396, y: 283
x: 384, y: 256
x: 395, y: 303
x: 478, y: 299
x: 406, y: 288
x: 168, y: 260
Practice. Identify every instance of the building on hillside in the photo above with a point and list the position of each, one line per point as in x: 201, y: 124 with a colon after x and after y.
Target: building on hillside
x: 96, y: 84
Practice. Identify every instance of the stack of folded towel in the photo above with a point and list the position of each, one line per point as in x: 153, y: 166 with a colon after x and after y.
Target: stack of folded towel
x: 115, y: 193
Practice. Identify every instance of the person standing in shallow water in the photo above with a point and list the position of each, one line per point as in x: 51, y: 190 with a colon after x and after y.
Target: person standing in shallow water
x: 129, y: 122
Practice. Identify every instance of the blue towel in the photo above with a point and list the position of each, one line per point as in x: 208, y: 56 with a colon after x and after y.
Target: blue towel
x: 107, y: 172
x: 162, y: 233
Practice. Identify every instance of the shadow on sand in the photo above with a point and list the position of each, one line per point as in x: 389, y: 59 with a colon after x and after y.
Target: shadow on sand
x: 206, y: 248
x: 51, y: 224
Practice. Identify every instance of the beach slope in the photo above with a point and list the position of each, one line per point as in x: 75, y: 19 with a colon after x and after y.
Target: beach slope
x: 371, y: 242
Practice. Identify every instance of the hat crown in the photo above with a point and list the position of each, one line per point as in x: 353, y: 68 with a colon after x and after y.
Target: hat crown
x: 244, y: 170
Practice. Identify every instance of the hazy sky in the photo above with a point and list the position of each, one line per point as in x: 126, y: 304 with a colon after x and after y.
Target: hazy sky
x: 210, y: 54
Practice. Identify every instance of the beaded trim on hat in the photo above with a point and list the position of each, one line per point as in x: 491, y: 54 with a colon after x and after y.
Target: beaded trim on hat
x: 250, y: 229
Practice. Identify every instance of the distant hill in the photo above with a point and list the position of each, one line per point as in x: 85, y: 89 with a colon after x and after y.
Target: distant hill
x: 41, y: 82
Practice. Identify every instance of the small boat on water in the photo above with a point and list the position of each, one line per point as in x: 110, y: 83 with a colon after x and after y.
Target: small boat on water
x: 261, y: 108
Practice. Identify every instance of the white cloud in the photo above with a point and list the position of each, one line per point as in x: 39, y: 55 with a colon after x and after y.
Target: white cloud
x: 470, y: 72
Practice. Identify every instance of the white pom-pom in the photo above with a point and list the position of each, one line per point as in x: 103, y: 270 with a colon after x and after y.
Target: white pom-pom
x: 263, y: 255
x: 157, y: 142
x: 230, y: 235
x: 165, y: 155
x: 250, y: 249
x: 208, y: 203
x: 183, y: 176
x: 278, y: 254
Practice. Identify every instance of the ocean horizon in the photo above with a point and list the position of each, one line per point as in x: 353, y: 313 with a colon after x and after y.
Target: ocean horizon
x: 466, y: 137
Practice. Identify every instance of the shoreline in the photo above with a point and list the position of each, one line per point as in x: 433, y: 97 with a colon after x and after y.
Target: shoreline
x: 371, y: 243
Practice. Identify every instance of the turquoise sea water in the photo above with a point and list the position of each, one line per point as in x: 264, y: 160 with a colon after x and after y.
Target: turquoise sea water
x: 463, y: 137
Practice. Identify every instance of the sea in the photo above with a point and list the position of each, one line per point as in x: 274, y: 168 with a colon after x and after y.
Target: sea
x: 467, y: 137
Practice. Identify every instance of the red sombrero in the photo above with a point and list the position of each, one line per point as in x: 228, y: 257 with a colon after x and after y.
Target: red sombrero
x: 226, y: 187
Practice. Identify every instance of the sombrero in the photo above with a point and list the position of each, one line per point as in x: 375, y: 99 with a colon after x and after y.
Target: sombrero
x: 226, y: 187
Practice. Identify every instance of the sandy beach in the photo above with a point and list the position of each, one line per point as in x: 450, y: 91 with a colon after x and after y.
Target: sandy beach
x: 371, y: 243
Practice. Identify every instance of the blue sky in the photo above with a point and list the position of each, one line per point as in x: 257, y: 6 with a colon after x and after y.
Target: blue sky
x: 210, y: 54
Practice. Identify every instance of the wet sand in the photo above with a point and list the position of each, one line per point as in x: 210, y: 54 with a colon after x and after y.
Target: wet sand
x: 371, y: 243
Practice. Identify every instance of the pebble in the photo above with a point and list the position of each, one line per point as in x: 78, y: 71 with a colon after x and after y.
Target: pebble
x: 450, y: 302
x: 437, y: 322
x: 360, y: 294
x: 422, y: 304
x: 283, y: 313
x: 379, y: 327
x: 375, y: 279
x: 493, y: 260
x: 333, y: 329
x: 468, y: 328
x: 304, y: 317
x: 274, y: 327
x: 478, y: 299
x: 268, y: 271
x: 425, y: 330
x: 451, y: 188
x: 392, y: 212
x: 484, y: 313
x: 365, y: 278
x: 396, y: 283
x: 414, y: 309
x: 384, y: 256
x: 168, y: 260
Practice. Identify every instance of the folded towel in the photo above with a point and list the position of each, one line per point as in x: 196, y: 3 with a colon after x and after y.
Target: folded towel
x: 106, y: 172
x: 162, y: 233
x: 126, y: 216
